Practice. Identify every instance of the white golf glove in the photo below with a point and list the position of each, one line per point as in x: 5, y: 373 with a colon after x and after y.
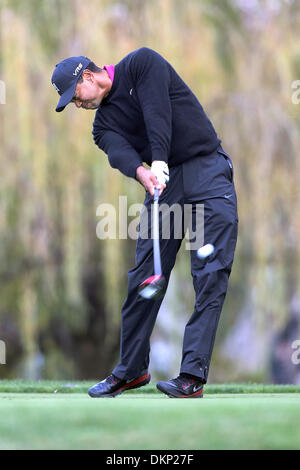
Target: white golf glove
x: 161, y: 171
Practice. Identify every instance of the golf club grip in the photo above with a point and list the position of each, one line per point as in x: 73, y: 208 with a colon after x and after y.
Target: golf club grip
x: 156, y: 247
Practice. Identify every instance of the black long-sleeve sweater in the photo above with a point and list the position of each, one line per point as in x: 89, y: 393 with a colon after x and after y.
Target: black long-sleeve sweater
x: 151, y: 114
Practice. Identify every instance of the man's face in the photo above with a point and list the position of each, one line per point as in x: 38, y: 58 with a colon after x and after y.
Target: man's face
x: 87, y: 95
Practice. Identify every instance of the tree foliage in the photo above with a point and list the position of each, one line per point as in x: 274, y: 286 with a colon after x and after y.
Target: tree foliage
x: 62, y: 288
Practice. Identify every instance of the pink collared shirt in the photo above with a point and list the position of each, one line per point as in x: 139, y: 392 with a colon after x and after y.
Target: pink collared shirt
x: 111, y: 71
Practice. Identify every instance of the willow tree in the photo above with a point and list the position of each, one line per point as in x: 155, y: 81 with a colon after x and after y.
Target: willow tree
x: 62, y: 287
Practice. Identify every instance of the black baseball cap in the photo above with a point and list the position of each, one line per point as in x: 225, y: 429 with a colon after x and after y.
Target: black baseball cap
x: 65, y: 78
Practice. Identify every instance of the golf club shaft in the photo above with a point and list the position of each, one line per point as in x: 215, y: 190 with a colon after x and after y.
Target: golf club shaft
x: 156, y: 247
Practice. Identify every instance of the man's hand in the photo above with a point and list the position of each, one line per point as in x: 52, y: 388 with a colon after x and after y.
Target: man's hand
x: 148, y: 179
x: 161, y: 170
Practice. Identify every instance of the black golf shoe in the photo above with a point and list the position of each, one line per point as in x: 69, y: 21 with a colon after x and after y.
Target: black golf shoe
x: 182, y: 387
x: 113, y: 386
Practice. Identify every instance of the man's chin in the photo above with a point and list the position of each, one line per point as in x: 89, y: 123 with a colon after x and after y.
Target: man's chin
x: 92, y: 107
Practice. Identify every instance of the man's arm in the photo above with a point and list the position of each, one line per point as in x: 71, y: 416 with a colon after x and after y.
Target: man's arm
x: 152, y: 79
x: 122, y: 155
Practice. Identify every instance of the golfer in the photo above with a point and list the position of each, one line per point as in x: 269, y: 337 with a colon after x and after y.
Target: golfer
x: 147, y: 114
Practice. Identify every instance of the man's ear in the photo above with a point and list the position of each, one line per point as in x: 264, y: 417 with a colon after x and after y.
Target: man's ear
x: 88, y: 75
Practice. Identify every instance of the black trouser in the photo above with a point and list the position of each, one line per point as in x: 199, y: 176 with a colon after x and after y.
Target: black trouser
x: 203, y: 184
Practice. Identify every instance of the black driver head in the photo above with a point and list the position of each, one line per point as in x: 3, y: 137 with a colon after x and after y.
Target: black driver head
x: 153, y: 288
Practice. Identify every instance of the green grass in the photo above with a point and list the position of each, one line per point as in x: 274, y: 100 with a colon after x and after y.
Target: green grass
x: 54, y: 386
x: 150, y: 420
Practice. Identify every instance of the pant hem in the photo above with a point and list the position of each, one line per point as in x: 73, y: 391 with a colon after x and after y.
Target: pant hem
x: 129, y: 376
x: 196, y: 374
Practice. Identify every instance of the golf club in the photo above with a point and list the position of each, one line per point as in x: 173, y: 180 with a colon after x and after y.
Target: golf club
x: 154, y: 286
